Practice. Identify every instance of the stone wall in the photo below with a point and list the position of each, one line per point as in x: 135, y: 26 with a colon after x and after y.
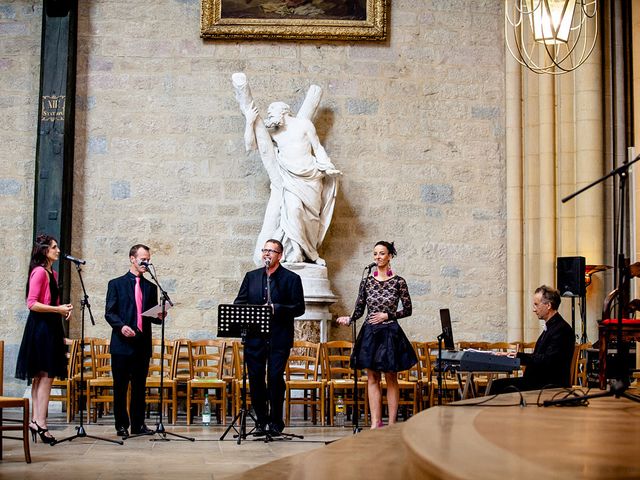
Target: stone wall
x: 416, y: 124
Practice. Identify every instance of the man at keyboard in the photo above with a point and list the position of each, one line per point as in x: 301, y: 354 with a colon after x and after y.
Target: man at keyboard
x: 550, y: 363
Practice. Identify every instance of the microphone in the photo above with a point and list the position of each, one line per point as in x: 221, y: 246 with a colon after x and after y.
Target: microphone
x: 371, y: 265
x: 77, y: 261
x: 144, y: 263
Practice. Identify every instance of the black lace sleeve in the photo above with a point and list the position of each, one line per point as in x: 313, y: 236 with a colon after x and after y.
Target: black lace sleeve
x: 361, y: 302
x: 405, y: 298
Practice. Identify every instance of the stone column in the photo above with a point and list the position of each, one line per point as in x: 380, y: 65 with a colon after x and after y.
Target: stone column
x: 313, y: 325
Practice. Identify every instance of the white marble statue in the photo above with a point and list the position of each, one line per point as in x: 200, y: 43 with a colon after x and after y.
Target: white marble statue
x: 303, y: 179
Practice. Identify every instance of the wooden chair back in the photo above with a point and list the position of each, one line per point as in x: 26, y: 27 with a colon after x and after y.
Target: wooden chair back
x: 157, y: 355
x: 101, y: 358
x: 304, y: 361
x: 181, y: 365
x: 474, y: 345
x: 336, y: 356
x: 207, y: 358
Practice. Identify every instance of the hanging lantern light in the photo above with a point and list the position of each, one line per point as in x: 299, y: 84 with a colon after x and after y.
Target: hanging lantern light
x: 551, y: 36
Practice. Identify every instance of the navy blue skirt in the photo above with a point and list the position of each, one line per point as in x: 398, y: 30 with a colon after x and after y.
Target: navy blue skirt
x: 42, y: 349
x: 383, y: 348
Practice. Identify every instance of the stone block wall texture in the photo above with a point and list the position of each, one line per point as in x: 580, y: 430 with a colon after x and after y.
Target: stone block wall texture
x: 415, y: 123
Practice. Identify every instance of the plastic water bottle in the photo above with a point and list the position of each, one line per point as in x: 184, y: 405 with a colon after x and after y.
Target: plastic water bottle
x: 340, y: 412
x: 206, y: 411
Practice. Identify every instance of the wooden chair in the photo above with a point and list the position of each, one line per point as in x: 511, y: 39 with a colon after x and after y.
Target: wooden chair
x: 464, y: 345
x: 424, y: 369
x: 181, y: 371
x: 483, y: 381
x: 152, y: 385
x: 526, y: 347
x: 229, y: 372
x: 100, y: 384
x: 450, y: 386
x: 238, y: 358
x: 579, y: 365
x: 338, y: 376
x: 503, y: 346
x: 408, y: 387
x: 80, y: 390
x: 207, y: 357
x: 302, y: 374
x: 66, y: 386
x: 14, y: 424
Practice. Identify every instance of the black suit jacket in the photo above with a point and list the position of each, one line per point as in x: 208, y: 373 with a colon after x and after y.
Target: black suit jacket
x: 550, y: 362
x: 120, y: 310
x: 287, y: 297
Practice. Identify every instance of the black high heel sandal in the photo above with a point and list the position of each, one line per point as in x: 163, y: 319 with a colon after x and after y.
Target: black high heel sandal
x: 34, y: 432
x: 49, y: 440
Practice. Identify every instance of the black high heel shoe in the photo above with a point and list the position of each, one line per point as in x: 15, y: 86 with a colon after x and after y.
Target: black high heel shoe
x: 34, y: 432
x: 48, y: 439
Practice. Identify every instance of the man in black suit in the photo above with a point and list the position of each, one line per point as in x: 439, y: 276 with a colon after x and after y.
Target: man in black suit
x: 287, y: 300
x: 550, y: 363
x: 127, y: 297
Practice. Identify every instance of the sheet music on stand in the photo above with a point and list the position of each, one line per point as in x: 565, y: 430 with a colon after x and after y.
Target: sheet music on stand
x: 254, y: 320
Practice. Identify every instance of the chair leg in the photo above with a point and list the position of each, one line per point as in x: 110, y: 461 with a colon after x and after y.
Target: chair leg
x: 287, y: 407
x: 174, y: 405
x: 25, y: 431
x: 189, y: 393
x: 1, y: 437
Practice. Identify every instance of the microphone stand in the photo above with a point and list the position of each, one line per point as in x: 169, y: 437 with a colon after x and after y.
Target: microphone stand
x: 80, y: 431
x: 164, y: 299
x: 356, y: 410
x: 619, y: 384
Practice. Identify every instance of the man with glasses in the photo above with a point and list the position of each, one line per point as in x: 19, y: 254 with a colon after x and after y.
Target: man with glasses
x: 550, y: 363
x: 282, y: 289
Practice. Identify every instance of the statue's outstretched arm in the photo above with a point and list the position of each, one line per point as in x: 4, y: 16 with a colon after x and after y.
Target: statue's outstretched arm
x: 256, y: 134
x: 311, y: 102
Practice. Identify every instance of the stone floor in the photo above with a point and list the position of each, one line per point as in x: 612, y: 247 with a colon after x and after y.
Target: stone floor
x: 206, y: 458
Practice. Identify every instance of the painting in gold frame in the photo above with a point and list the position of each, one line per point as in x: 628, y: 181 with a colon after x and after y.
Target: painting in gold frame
x: 295, y: 19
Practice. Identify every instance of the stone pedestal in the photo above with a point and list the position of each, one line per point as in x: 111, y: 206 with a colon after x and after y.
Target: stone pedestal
x: 314, y: 324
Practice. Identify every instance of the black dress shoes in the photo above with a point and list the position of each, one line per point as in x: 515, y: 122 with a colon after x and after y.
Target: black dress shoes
x: 275, y: 430
x: 259, y: 431
x: 143, y: 430
x: 122, y: 432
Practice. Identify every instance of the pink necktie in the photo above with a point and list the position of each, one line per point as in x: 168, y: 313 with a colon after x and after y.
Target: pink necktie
x: 138, y: 294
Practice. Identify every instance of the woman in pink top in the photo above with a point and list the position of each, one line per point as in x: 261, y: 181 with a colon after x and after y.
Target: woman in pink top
x: 42, y: 352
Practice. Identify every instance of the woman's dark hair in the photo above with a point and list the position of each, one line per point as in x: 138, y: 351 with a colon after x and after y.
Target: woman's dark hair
x: 39, y: 254
x: 389, y: 246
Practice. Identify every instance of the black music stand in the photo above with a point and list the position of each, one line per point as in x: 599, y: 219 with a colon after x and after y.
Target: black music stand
x: 239, y: 321
x: 447, y: 337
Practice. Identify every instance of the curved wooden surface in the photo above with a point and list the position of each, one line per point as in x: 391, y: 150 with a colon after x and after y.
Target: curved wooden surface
x: 598, y: 441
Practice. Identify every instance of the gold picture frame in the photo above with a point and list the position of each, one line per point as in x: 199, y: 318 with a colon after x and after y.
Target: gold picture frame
x: 294, y: 19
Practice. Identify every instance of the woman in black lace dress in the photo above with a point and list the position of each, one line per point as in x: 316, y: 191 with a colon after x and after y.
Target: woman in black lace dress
x: 381, y: 345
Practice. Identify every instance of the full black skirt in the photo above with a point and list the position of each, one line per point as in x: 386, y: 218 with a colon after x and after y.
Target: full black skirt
x: 42, y: 348
x: 383, y: 348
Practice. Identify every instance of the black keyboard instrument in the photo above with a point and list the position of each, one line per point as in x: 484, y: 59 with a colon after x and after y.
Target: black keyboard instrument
x: 475, y: 361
